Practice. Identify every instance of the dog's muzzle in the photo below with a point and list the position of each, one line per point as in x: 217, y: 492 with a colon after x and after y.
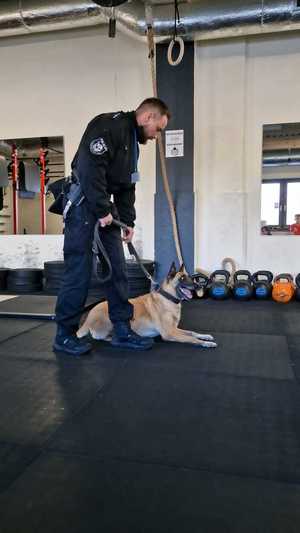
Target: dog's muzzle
x: 185, y: 288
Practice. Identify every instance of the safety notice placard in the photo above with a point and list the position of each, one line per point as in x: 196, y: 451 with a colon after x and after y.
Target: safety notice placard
x: 174, y: 143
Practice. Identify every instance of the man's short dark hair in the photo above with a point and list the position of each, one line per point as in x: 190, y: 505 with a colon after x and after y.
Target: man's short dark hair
x: 158, y: 104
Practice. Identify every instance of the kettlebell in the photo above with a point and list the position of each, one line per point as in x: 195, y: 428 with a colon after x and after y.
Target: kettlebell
x: 297, y: 293
x: 242, y: 286
x: 262, y: 281
x: 283, y: 288
x: 200, y: 281
x: 218, y: 285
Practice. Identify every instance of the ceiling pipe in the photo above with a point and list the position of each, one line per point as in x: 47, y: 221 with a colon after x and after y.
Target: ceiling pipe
x: 200, y: 20
x: 277, y: 158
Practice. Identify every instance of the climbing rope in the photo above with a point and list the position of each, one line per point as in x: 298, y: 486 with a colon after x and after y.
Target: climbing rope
x: 151, y: 47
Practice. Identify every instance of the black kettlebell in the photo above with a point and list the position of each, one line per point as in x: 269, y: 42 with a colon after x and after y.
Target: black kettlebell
x: 297, y: 293
x: 218, y: 285
x: 262, y: 281
x: 200, y: 281
x: 242, y: 286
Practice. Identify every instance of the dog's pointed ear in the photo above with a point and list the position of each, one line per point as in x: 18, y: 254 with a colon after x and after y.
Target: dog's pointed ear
x: 172, y: 271
x: 182, y: 268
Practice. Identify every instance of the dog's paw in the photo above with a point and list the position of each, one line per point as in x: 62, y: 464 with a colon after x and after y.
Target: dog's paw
x: 207, y: 344
x: 204, y: 337
x: 96, y: 335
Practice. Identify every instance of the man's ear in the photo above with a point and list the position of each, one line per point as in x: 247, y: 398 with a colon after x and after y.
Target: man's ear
x: 172, y: 271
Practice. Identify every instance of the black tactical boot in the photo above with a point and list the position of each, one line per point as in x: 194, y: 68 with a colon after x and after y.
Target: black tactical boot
x: 125, y: 337
x: 67, y: 342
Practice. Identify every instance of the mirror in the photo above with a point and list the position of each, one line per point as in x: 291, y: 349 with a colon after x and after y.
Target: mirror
x: 280, y: 188
x: 27, y: 167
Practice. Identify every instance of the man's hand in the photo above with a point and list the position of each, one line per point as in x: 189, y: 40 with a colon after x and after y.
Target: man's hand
x: 127, y: 234
x: 106, y: 221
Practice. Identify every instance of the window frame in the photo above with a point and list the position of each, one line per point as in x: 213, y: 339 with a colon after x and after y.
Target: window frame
x: 283, y: 185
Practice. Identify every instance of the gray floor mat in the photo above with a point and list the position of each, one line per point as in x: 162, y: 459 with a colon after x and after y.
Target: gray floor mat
x: 40, y: 396
x: 244, y: 426
x: 77, y: 494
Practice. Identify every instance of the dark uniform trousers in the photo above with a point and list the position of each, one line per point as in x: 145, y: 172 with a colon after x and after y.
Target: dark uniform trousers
x: 78, y: 264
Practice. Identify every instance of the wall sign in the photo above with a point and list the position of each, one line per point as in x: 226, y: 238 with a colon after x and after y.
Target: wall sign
x: 174, y: 143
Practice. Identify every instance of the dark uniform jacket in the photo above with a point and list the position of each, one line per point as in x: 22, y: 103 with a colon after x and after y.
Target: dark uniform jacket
x: 105, y: 161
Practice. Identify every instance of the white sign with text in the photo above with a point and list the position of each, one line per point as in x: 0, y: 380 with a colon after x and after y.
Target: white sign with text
x: 175, y: 143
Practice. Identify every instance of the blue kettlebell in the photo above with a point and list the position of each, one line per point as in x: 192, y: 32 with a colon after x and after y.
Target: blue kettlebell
x: 262, y: 281
x: 242, y: 287
x: 218, y: 285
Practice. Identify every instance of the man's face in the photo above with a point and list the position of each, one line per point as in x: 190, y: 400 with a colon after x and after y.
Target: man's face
x: 150, y: 124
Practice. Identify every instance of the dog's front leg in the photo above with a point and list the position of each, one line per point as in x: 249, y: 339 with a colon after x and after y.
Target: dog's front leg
x: 202, y: 336
x: 179, y: 335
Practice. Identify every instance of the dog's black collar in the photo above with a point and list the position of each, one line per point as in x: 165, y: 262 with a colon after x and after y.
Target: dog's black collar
x: 169, y: 296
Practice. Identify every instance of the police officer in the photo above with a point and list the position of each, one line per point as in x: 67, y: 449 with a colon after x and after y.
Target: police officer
x: 105, y: 165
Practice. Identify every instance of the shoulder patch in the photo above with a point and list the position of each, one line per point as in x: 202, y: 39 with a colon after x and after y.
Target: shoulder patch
x: 98, y: 146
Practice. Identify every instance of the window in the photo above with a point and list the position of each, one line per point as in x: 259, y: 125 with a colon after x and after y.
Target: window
x: 270, y: 197
x: 292, y: 203
x: 280, y: 202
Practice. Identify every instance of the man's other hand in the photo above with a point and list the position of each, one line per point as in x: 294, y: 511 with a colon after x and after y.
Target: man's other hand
x: 127, y: 234
x: 106, y: 221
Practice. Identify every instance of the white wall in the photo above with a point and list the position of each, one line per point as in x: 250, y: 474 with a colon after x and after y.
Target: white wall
x: 52, y: 85
x: 241, y: 85
x: 55, y: 83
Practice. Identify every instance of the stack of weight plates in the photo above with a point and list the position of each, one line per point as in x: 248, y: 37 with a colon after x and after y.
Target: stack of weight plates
x: 138, y: 283
x: 25, y: 280
x: 53, y: 273
x: 3, y: 278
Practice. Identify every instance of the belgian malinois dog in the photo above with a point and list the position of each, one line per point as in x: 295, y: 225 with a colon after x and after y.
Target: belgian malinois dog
x: 156, y: 313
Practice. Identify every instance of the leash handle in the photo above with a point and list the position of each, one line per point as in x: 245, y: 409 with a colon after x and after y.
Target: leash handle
x: 100, y: 252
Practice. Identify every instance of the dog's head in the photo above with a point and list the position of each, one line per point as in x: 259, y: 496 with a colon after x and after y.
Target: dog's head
x: 180, y: 282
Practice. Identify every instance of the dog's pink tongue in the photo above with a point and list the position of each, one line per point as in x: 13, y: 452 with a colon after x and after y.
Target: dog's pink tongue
x: 187, y: 293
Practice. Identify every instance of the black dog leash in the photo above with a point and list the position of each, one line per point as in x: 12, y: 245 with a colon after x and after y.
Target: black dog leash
x: 134, y: 253
x: 101, y: 253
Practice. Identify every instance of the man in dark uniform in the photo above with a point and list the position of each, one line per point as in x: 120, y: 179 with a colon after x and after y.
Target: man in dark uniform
x: 105, y: 164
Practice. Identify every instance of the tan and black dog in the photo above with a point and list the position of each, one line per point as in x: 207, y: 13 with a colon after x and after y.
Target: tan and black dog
x: 155, y: 313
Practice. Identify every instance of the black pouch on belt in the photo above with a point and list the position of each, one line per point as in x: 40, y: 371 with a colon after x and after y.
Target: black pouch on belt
x: 58, y: 189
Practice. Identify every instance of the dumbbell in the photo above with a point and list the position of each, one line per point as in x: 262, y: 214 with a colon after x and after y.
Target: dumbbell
x: 262, y: 281
x: 283, y: 288
x: 242, y: 286
x: 297, y: 293
x: 218, y: 285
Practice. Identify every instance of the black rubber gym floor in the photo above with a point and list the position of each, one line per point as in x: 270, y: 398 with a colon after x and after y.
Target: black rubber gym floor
x: 177, y: 439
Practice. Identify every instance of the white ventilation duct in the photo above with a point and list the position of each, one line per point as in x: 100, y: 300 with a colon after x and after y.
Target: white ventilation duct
x: 199, y: 20
x: 278, y: 158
